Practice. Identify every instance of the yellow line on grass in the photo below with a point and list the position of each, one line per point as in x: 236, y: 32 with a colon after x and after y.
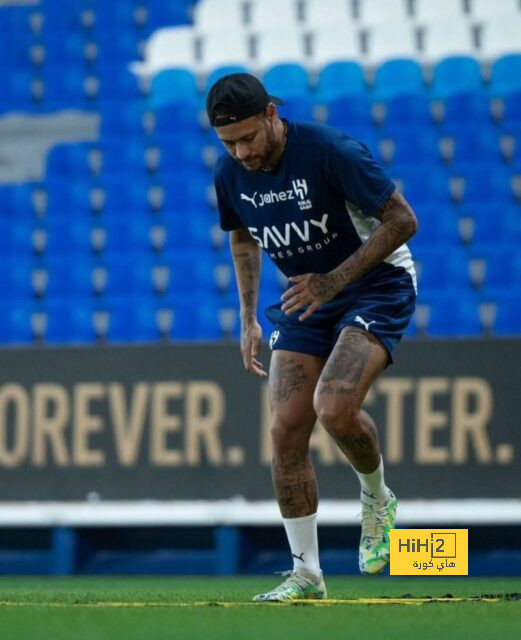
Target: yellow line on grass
x: 210, y: 603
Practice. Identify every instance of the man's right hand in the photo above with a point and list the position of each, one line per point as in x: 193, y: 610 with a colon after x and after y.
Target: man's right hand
x: 251, y: 339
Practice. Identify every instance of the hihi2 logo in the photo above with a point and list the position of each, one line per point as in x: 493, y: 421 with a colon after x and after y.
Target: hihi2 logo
x: 429, y: 552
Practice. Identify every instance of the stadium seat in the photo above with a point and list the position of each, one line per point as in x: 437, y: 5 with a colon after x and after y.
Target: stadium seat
x: 422, y: 185
x: 297, y: 109
x: 287, y: 81
x: 278, y: 46
x: 482, y: 10
x: 340, y: 79
x: 500, y: 36
x: 385, y: 43
x: 446, y: 38
x: 218, y: 15
x: 167, y: 48
x: 407, y: 145
x: 454, y: 315
x: 173, y: 86
x: 438, y: 228
x: 472, y: 142
x: 408, y: 110
x: 219, y: 49
x: 508, y: 317
x: 350, y: 113
x: 460, y: 109
x: 262, y: 14
x: 123, y: 118
x: 505, y: 77
x: 426, y: 11
x: 396, y: 77
x: 374, y: 11
x: 338, y: 12
x: 71, y: 160
x: 511, y: 116
x: 168, y: 13
x: 221, y: 71
x: 340, y: 42
x: 484, y: 183
x: 455, y: 75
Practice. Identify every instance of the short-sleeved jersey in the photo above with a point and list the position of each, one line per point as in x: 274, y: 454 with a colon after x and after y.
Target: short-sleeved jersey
x: 315, y: 208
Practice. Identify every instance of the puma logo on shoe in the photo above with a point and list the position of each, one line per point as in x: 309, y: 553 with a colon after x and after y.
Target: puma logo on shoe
x: 366, y: 325
x: 300, y: 557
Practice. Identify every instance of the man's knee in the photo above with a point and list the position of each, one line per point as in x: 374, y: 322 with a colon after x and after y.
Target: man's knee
x: 289, y: 433
x: 338, y: 416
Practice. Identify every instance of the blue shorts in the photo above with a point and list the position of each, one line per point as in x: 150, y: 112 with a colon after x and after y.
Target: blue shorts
x: 382, y: 305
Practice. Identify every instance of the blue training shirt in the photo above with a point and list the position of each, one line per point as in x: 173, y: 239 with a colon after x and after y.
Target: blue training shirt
x: 315, y: 208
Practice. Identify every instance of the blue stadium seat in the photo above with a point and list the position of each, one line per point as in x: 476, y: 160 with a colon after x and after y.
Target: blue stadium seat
x: 69, y: 160
x: 69, y: 320
x: 288, y: 80
x: 512, y: 111
x: 410, y: 145
x: 396, y: 77
x: 16, y: 282
x: 117, y: 43
x: 70, y: 275
x: 408, y: 110
x: 454, y: 314
x: 122, y: 154
x: 473, y: 141
x: 441, y: 270
x: 505, y: 76
x: 70, y: 235
x: 350, y: 112
x: 173, y: 86
x: 508, y: 316
x: 494, y: 224
x: 168, y: 13
x: 178, y: 117
x: 116, y: 82
x: 438, y: 227
x: 123, y: 118
x: 65, y: 195
x: 462, y: 109
x: 16, y: 201
x: 298, y: 109
x: 179, y: 149
x: 486, y: 183
x: 502, y: 266
x: 340, y: 79
x: 456, y: 74
x: 129, y: 233
x: 422, y: 184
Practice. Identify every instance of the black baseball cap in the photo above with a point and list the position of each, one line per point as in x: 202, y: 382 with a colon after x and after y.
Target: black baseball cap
x: 236, y: 97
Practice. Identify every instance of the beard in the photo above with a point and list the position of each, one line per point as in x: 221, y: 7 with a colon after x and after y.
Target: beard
x: 264, y: 161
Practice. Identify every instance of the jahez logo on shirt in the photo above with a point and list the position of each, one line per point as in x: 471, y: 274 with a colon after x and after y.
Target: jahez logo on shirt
x: 298, y: 192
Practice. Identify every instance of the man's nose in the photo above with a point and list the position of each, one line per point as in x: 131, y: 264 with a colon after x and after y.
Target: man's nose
x: 241, y: 151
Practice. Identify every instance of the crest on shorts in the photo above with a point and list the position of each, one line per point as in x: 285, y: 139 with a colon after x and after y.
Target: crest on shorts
x: 274, y: 337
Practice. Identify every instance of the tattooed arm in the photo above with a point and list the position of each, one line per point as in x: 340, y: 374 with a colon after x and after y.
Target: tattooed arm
x: 398, y: 224
x: 246, y: 256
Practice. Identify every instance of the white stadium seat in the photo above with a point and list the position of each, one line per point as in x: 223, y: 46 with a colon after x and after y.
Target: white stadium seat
x: 426, y: 11
x: 217, y: 15
x: 334, y: 43
x: 165, y: 49
x: 391, y: 40
x: 485, y: 9
x: 272, y: 14
x: 501, y: 35
x: 377, y: 11
x: 317, y: 15
x: 220, y: 48
x: 447, y: 38
x: 278, y: 46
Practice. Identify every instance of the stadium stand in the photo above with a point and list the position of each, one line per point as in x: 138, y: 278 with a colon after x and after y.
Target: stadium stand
x: 107, y: 243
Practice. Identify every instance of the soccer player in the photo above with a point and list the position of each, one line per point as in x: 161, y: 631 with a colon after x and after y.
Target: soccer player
x: 318, y: 204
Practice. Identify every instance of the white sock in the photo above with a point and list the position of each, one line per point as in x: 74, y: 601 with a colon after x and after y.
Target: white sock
x: 303, y: 542
x: 373, y: 487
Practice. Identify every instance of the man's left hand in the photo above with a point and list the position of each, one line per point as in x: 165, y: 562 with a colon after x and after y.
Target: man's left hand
x: 311, y: 290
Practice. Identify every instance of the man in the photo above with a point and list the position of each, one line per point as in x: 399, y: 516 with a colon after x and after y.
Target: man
x: 314, y: 199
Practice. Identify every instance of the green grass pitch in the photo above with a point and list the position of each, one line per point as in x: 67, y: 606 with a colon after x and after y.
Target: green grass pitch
x: 221, y: 608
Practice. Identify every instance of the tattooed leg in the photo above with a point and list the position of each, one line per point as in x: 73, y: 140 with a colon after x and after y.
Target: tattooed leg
x: 293, y: 377
x: 357, y: 359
